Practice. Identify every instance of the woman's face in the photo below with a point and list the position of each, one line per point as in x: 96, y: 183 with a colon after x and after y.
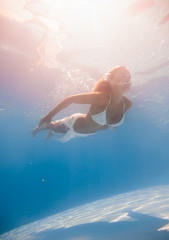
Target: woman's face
x: 122, y: 79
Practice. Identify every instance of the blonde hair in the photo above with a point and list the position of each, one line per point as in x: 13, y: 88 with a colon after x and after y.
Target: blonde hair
x: 111, y: 73
x: 102, y: 85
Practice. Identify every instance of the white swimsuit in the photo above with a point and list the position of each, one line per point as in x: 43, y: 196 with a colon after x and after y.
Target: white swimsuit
x: 101, y: 119
x: 71, y: 133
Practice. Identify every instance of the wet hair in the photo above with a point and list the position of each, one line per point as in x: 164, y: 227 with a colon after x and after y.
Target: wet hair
x: 111, y: 73
x: 103, y: 84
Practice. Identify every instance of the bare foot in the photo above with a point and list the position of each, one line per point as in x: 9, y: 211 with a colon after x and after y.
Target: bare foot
x: 35, y: 131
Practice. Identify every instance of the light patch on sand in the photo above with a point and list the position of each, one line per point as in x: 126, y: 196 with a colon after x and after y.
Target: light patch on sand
x: 150, y: 201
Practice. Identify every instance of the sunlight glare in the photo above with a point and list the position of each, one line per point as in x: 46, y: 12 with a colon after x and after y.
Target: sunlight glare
x: 14, y: 10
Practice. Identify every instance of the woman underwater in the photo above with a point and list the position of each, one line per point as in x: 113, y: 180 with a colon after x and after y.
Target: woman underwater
x: 107, y: 108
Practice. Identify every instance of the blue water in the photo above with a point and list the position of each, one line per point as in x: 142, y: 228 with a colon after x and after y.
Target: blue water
x: 39, y: 179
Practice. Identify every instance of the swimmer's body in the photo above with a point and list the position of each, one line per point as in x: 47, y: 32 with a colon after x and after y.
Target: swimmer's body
x: 107, y: 107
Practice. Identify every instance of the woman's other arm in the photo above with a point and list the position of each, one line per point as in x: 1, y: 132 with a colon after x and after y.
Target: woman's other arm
x: 94, y: 98
x: 128, y: 104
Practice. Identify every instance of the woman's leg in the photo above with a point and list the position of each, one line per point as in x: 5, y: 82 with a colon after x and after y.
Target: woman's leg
x: 57, y: 127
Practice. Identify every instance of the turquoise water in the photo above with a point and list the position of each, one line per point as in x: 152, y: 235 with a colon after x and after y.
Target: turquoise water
x: 111, y: 185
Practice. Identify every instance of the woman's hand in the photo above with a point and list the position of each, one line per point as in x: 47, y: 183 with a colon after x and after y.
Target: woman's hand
x: 42, y: 124
x: 45, y: 120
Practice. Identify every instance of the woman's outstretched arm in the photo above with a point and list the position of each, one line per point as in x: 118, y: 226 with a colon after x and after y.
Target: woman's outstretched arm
x: 95, y: 98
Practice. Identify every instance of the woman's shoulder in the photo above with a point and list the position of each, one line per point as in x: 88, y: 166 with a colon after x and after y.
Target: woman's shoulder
x: 105, y: 98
